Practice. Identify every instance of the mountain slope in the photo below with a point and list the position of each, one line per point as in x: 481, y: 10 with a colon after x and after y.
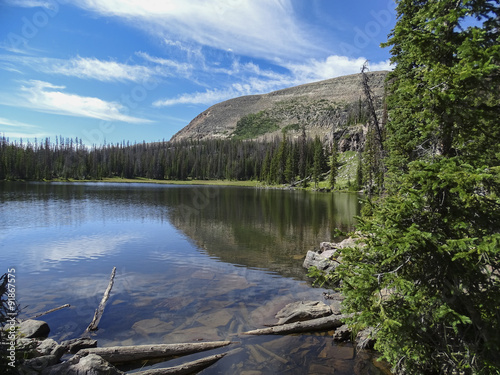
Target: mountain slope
x: 334, y: 106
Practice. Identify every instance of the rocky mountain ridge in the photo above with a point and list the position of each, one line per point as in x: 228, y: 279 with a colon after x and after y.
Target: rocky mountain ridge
x: 334, y: 108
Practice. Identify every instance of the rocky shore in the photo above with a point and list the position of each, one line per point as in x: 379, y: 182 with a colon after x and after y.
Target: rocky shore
x: 80, y: 356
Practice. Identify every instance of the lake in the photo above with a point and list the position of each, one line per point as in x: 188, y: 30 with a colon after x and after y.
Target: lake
x: 194, y: 263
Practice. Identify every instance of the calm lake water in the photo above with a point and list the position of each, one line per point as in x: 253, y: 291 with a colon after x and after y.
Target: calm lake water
x: 193, y: 264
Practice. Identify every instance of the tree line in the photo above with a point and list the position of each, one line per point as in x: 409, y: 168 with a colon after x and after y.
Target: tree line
x: 280, y: 161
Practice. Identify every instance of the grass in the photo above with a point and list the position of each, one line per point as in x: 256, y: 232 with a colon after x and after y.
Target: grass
x: 252, y: 183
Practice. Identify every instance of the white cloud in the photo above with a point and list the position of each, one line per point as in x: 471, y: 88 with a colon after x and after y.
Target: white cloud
x: 258, y: 28
x: 332, y: 66
x: 97, y: 69
x: 16, y: 129
x: 45, y: 97
x: 42, y: 257
x: 253, y: 80
x: 101, y: 70
x: 7, y: 122
x: 30, y: 3
x: 207, y: 97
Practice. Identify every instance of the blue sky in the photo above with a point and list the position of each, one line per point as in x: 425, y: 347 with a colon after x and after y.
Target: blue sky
x: 141, y: 70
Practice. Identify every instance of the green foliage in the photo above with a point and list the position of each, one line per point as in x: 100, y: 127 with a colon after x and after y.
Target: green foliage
x: 334, y: 168
x: 291, y: 127
x: 321, y: 278
x: 428, y: 277
x: 275, y: 162
x: 253, y: 125
x: 319, y: 161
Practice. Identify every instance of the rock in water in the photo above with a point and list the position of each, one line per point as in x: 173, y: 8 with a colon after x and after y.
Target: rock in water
x: 34, y: 328
x: 302, y: 310
x: 91, y: 364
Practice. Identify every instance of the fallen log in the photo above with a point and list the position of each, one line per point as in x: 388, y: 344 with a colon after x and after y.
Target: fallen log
x: 124, y: 354
x: 100, y: 309
x: 50, y: 311
x: 320, y: 324
x: 186, y: 368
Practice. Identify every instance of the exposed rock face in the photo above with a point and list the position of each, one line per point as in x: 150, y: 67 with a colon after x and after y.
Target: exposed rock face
x: 323, y: 107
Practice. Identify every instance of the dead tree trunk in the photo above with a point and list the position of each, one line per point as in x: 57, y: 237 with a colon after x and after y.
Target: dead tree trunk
x: 319, y: 324
x: 186, y: 368
x: 124, y: 354
x: 100, y: 309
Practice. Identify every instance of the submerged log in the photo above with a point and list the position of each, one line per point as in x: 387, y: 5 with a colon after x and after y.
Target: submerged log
x: 320, y: 324
x: 100, y: 309
x: 186, y: 368
x: 50, y: 311
x: 124, y: 354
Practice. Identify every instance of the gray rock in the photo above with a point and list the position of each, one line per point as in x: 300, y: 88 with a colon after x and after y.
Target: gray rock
x: 47, y: 346
x: 91, y: 364
x: 321, y: 261
x: 74, y: 345
x: 34, y: 328
x: 365, y: 338
x: 40, y: 363
x: 302, y: 310
x: 348, y: 242
x: 325, y: 246
x: 335, y: 305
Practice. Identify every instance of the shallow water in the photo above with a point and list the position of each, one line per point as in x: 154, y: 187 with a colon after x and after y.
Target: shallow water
x: 193, y: 264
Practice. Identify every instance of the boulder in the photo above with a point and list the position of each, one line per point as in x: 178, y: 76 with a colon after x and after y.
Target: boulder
x: 302, y: 310
x: 51, y: 347
x: 323, y: 261
x: 34, y: 328
x: 39, y: 364
x: 91, y: 364
x: 325, y: 246
x: 75, y: 345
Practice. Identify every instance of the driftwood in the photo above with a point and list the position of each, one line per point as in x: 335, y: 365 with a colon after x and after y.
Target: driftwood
x: 50, y: 311
x: 186, y: 368
x: 319, y: 324
x: 100, y: 309
x: 124, y: 354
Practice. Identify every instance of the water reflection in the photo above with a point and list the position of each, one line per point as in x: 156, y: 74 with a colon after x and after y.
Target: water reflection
x: 193, y: 263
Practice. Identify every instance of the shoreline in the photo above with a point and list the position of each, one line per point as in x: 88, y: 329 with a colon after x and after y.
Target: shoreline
x: 249, y: 183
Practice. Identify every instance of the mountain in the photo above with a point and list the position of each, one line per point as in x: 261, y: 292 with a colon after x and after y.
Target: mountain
x: 334, y: 107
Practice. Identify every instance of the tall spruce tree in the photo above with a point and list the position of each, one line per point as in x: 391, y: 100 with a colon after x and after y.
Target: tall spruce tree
x: 428, y: 276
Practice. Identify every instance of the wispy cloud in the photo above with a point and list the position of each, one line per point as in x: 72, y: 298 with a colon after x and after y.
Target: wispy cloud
x: 7, y: 122
x: 92, y: 68
x: 257, y: 28
x: 30, y: 3
x: 17, y: 129
x: 45, y: 97
x: 45, y: 256
x: 254, y: 80
x: 332, y: 66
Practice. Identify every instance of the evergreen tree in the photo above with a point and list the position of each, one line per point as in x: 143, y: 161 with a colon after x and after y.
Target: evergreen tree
x: 334, y: 160
x: 319, y: 161
x: 428, y: 277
